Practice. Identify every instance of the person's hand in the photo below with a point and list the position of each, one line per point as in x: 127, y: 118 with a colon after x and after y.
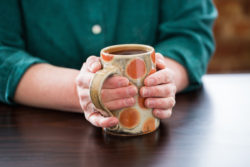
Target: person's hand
x: 116, y: 93
x: 160, y: 89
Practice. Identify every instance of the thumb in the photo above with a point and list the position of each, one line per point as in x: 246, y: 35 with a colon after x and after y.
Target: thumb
x: 93, y: 64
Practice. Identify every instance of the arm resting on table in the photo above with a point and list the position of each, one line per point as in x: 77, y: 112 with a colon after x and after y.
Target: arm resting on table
x: 48, y: 86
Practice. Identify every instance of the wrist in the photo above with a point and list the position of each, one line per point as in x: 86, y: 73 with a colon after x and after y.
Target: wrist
x: 181, y: 77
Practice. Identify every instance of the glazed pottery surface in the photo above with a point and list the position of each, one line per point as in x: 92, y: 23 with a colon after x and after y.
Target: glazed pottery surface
x: 135, y: 62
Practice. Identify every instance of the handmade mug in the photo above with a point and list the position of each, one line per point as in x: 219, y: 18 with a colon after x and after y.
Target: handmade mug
x: 135, y: 62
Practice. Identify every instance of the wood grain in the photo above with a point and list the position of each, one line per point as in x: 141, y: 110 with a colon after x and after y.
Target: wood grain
x: 209, y: 127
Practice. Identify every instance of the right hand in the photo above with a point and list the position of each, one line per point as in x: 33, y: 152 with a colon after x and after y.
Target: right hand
x: 116, y: 93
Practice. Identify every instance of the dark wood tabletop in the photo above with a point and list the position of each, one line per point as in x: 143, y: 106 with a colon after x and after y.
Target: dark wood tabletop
x: 210, y: 127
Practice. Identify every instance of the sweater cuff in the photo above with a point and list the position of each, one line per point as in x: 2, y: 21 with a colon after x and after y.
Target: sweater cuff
x: 174, y: 50
x: 21, y: 62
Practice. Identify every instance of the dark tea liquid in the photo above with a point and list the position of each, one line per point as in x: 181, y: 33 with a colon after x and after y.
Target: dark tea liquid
x: 128, y: 52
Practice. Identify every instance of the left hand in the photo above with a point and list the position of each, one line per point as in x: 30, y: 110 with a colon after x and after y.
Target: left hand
x: 160, y: 89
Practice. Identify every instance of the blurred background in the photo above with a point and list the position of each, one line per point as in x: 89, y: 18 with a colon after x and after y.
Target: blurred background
x: 232, y: 34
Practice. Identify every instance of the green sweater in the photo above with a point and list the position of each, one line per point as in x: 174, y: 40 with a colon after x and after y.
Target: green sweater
x: 65, y: 32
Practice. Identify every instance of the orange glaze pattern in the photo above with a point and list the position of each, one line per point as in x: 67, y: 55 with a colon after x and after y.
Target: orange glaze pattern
x: 138, y: 119
x: 149, y: 125
x: 141, y: 101
x: 136, y: 68
x: 129, y: 118
x: 153, y: 56
x: 107, y: 57
x: 152, y: 71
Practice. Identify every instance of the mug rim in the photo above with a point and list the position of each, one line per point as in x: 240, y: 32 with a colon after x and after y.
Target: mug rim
x: 148, y: 49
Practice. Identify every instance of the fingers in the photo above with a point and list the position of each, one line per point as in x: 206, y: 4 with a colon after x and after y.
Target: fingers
x: 93, y: 64
x: 160, y: 61
x: 160, y: 77
x: 120, y: 103
x: 84, y: 98
x: 111, y: 104
x: 162, y: 114
x: 160, y: 89
x: 115, y: 82
x: 165, y: 90
x: 95, y: 117
x: 160, y: 103
x: 85, y: 76
x: 118, y: 93
x: 98, y: 120
x: 84, y: 79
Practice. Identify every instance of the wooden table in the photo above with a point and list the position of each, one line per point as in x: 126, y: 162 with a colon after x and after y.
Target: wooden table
x: 209, y: 128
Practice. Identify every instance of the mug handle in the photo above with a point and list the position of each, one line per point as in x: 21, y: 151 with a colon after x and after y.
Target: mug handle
x: 96, y: 87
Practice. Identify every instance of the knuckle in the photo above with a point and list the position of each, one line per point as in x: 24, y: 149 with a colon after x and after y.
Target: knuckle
x: 83, y: 66
x: 158, y: 54
x: 91, y: 58
x: 157, y: 77
x: 82, y: 98
x: 168, y: 113
x: 163, y: 114
x: 123, y: 103
x: 96, y: 122
x: 78, y: 80
x: 86, y: 115
x: 171, y: 75
x: 94, y: 118
x: 130, y: 101
x: 174, y: 88
x: 157, y: 90
x: 89, y: 80
x: 101, y: 123
x: 171, y: 102
x: 126, y: 102
x: 159, y: 113
x: 88, y: 107
x: 166, y: 91
x: 84, y: 106
x: 168, y: 75
x: 161, y: 102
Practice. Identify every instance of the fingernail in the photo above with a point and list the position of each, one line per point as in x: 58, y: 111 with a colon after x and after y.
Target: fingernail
x: 131, y: 90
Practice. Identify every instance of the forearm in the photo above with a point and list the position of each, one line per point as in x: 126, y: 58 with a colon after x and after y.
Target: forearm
x: 181, y: 76
x: 48, y: 86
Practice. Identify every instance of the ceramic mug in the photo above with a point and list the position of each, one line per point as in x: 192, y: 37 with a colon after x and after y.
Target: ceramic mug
x: 135, y: 62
